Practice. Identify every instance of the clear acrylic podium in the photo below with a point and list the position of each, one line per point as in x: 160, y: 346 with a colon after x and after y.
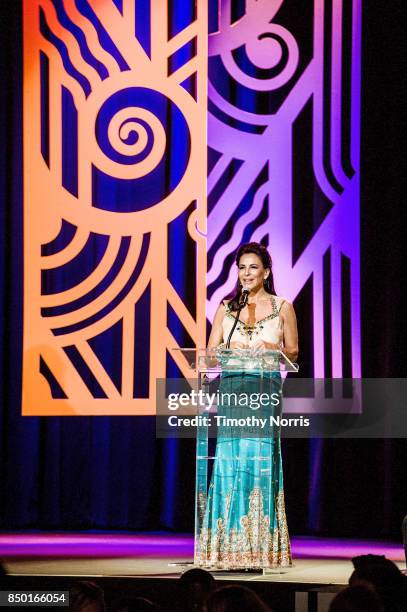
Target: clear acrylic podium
x: 210, y: 365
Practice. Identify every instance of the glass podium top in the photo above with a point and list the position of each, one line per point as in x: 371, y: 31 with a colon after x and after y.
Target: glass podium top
x: 219, y: 359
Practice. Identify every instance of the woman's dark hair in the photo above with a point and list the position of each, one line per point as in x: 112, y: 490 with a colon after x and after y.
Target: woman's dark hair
x: 262, y: 253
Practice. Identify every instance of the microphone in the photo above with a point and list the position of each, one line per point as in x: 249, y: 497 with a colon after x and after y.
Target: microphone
x: 244, y: 296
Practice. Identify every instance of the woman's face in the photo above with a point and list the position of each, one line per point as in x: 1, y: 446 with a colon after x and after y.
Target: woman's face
x: 251, y: 271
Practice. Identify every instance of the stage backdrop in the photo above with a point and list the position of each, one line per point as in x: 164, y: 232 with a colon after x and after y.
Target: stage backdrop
x: 114, y: 193
x: 114, y: 167
x: 284, y: 148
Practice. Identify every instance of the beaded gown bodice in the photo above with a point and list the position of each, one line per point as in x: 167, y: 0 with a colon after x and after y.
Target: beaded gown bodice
x: 269, y: 328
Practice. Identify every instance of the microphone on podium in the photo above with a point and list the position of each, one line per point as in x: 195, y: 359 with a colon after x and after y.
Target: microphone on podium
x: 244, y: 296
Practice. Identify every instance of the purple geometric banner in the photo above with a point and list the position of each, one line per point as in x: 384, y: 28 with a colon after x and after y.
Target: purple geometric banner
x: 284, y: 147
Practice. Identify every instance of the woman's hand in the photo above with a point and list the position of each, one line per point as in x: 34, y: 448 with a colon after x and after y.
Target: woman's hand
x: 238, y: 345
x: 261, y: 345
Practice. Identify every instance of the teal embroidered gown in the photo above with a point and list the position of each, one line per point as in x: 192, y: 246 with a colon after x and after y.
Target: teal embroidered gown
x: 244, y: 523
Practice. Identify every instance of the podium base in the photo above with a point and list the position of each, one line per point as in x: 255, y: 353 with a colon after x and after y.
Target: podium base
x: 181, y: 564
x: 241, y: 570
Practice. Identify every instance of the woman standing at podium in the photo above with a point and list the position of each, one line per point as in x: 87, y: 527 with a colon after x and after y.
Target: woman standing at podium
x: 244, y: 524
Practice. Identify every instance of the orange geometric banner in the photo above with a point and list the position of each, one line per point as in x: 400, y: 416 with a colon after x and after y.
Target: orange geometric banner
x: 104, y: 118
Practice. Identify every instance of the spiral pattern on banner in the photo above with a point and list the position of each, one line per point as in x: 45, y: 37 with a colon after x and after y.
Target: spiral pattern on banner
x: 129, y: 130
x: 138, y: 130
x: 133, y: 131
x: 266, y: 61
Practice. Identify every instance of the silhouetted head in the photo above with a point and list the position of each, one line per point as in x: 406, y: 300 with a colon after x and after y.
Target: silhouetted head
x: 3, y: 574
x: 195, y: 585
x: 136, y: 604
x: 236, y: 598
x: 86, y: 596
x: 383, y: 576
x: 356, y: 599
